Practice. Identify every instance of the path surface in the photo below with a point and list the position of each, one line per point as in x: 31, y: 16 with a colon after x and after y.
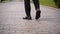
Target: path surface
x: 11, y: 21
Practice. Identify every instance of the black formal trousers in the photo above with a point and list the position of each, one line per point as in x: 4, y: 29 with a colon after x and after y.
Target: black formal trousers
x: 28, y: 7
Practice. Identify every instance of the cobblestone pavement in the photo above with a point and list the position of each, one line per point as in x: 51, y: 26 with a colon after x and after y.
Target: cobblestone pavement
x: 11, y: 21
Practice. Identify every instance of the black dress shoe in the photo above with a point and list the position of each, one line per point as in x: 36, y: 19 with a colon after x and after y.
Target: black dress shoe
x: 28, y: 18
x: 38, y: 14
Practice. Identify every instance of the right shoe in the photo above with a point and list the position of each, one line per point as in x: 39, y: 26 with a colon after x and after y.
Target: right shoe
x: 38, y: 15
x: 27, y: 18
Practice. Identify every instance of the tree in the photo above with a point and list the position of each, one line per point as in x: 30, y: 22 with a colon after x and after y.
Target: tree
x: 57, y: 2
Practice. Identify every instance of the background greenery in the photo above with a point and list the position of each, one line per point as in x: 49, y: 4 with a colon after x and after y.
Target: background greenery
x: 52, y: 3
x: 48, y: 3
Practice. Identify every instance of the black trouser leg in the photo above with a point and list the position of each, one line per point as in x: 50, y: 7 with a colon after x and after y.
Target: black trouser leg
x: 37, y: 7
x: 2, y: 0
x: 27, y: 7
x: 36, y: 3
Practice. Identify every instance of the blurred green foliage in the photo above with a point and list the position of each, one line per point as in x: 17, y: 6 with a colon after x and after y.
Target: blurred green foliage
x: 57, y: 2
x: 51, y: 3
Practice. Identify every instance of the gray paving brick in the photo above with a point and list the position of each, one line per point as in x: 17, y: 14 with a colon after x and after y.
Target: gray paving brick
x: 11, y: 21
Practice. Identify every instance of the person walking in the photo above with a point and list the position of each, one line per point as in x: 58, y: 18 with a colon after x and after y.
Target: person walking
x: 28, y: 9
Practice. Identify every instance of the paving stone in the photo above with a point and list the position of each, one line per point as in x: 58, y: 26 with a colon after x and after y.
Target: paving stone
x: 11, y: 21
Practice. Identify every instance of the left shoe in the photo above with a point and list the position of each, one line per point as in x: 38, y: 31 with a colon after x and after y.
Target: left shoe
x: 27, y: 18
x: 38, y: 14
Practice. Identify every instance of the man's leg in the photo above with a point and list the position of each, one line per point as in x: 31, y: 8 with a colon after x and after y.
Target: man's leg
x: 1, y: 0
x: 37, y: 7
x: 27, y: 9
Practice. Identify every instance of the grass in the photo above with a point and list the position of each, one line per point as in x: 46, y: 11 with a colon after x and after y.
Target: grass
x: 48, y: 3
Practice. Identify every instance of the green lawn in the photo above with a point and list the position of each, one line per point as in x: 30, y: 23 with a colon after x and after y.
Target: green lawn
x: 48, y: 3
